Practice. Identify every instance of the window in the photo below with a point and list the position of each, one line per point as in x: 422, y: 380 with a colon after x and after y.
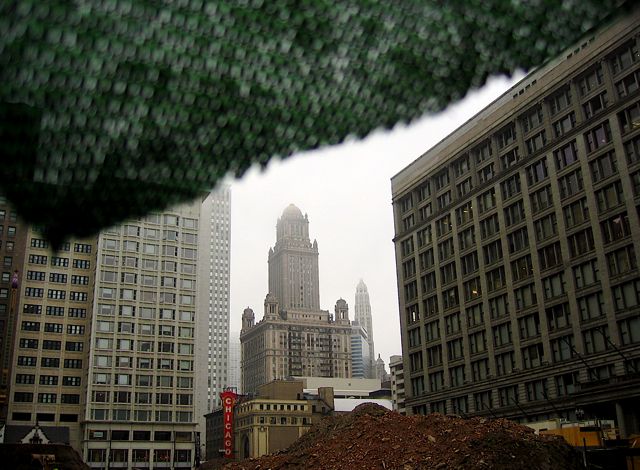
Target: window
x: 32, y: 309
x: 550, y: 256
x: 532, y: 356
x: 30, y: 326
x: 506, y: 136
x: 570, y: 184
x: 531, y: 119
x: 39, y: 243
x: 629, y: 330
x: 624, y: 57
x: 502, y: 334
x: 564, y: 124
x: 536, y: 142
x: 475, y: 316
x: 424, y: 237
x: 486, y: 173
x: 621, y: 261
x: 434, y: 356
x: 541, y: 199
x: 469, y: 263
x: 560, y: 100
x: 595, y: 339
x: 477, y: 342
x: 461, y: 166
x: 518, y: 240
x: 629, y: 117
x: 77, y: 312
x: 82, y: 248
x: 464, y: 214
x: 36, y: 275
x: 591, y: 80
x: 455, y: 349
x: 566, y: 383
x: 443, y: 225
x: 610, y: 196
x: 467, y: 238
x: 536, y: 390
x: 436, y: 381
x: 511, y: 186
x: 489, y: 226
x: 487, y: 200
x: 410, y: 291
x: 615, y: 228
x: 591, y: 306
x: 80, y: 280
x: 457, y: 376
x: 443, y: 200
x: 562, y: 348
x: 576, y: 213
x: 50, y: 362
x: 581, y: 243
x: 480, y: 370
x: 472, y: 289
x: 447, y: 273
x: 498, y: 306
x: 521, y: 268
x: 452, y: 323
x: 514, y: 213
x: 464, y: 187
x: 496, y: 279
x: 508, y: 395
x: 586, y: 274
x: 441, y: 179
x: 406, y: 247
x: 492, y: 252
x: 34, y: 259
x: 424, y: 191
x: 505, y: 363
x: 430, y: 305
x: 594, y: 105
x: 414, y: 338
x: 566, y: 155
x: 525, y: 296
x: 628, y: 84
x: 537, y: 172
x: 426, y: 259
x: 450, y: 298
x: 482, y: 152
x: 445, y: 249
x: 510, y: 158
x: 529, y: 326
x: 626, y: 295
x: 554, y: 286
x: 597, y: 137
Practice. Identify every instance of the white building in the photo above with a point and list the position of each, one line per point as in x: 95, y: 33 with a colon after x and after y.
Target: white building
x: 235, y: 353
x: 140, y: 406
x: 363, y: 316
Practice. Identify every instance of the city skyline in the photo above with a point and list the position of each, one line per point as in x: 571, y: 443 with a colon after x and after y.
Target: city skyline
x: 346, y: 191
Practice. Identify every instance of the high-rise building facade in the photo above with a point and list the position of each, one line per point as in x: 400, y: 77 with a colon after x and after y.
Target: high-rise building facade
x: 235, y: 353
x: 516, y: 245
x: 295, y: 337
x: 13, y: 238
x: 142, y: 365
x: 362, y: 310
x: 360, y: 355
x: 51, y: 344
x: 214, y: 261
x: 396, y: 369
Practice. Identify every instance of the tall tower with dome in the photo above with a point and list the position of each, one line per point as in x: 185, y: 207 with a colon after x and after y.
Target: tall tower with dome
x: 295, y: 337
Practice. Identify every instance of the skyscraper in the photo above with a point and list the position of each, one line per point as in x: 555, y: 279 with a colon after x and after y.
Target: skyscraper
x: 142, y: 364
x: 362, y: 309
x: 295, y: 337
x: 52, y: 325
x: 516, y: 247
x: 213, y: 296
x: 293, y: 263
x: 360, y: 356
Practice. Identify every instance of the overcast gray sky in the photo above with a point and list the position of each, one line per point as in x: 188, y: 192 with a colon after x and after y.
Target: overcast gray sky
x: 346, y: 191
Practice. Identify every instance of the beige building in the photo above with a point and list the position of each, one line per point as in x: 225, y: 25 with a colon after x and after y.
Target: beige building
x: 277, y: 416
x: 294, y: 338
x: 396, y: 368
x: 48, y: 379
x: 517, y: 239
x: 141, y: 407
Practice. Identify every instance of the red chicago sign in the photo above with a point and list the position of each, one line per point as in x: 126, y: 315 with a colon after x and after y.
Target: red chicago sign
x: 228, y: 400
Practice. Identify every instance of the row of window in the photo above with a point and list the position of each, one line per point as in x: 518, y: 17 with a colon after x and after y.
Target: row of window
x: 142, y: 455
x: 160, y: 416
x: 31, y: 361
x: 59, y: 261
x: 147, y: 313
x: 30, y: 379
x: 57, y: 294
x: 146, y: 398
x: 65, y: 398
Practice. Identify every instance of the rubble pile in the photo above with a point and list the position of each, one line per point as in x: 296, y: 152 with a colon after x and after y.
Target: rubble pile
x: 373, y: 437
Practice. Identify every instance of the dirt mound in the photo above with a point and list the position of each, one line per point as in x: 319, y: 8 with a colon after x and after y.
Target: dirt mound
x: 374, y: 438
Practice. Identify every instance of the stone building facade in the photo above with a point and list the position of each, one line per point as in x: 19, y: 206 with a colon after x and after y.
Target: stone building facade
x: 516, y: 244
